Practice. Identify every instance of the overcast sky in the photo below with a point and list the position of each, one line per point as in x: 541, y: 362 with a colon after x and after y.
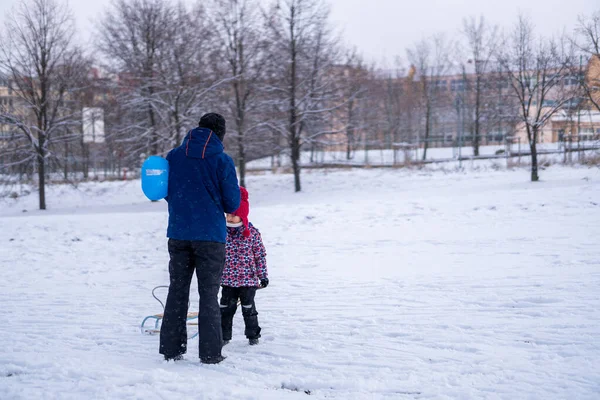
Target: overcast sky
x: 383, y: 29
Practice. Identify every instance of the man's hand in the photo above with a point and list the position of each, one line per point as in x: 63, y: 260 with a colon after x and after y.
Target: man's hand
x: 264, y: 282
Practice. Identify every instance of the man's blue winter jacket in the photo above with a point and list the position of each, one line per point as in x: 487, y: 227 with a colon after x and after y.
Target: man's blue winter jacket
x: 202, y: 187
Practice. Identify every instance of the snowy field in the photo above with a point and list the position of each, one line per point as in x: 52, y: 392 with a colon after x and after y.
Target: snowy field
x: 384, y: 285
x: 387, y: 157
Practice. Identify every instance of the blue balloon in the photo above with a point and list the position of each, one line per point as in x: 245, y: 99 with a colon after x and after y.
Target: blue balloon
x: 155, y: 178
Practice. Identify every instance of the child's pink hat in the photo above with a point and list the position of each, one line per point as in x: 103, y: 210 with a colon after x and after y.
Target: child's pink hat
x: 244, y: 210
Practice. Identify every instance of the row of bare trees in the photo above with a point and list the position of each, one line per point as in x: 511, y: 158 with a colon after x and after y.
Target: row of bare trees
x: 279, y: 74
x: 491, y: 84
x: 269, y: 70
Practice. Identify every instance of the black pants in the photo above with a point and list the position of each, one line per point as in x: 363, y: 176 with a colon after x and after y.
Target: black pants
x: 207, y: 259
x: 229, y: 299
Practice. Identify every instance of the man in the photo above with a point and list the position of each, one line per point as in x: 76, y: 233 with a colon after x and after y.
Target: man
x: 203, y: 186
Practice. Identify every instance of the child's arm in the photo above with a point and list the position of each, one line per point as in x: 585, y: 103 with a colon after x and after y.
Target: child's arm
x: 260, y: 255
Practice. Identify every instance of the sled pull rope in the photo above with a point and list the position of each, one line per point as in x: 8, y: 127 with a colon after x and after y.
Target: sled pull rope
x: 157, y: 299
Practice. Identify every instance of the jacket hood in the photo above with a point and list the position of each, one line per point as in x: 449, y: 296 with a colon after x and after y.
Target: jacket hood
x: 202, y: 143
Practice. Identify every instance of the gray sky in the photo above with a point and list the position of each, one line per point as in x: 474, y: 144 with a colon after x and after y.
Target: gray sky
x: 383, y: 29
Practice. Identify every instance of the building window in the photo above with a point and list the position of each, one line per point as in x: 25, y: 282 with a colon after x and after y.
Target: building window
x: 571, y: 80
x: 439, y: 84
x: 503, y: 84
x: 457, y: 85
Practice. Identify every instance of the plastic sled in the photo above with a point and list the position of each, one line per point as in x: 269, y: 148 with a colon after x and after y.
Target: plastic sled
x: 147, y: 326
x: 151, y: 324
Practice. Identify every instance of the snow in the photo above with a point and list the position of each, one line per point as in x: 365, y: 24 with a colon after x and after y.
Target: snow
x: 385, y: 284
x: 386, y: 157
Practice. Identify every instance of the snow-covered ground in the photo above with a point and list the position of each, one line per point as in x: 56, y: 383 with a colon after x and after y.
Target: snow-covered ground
x: 384, y: 285
x: 387, y: 157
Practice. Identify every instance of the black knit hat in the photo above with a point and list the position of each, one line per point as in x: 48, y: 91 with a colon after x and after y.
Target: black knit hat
x: 215, y: 122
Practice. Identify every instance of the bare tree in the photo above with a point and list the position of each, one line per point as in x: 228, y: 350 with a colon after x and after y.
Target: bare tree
x: 133, y: 37
x: 179, y: 63
x: 431, y: 58
x: 188, y: 82
x: 481, y: 42
x: 393, y: 94
x: 499, y: 115
x: 164, y: 57
x: 303, y: 54
x: 394, y: 100
x: 588, y: 30
x: 242, y: 53
x: 536, y: 68
x: 44, y: 67
x: 353, y: 82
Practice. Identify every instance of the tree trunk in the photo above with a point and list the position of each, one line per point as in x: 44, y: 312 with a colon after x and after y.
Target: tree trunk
x: 534, y: 161
x: 86, y: 161
x: 427, y: 128
x: 350, y: 136
x: 296, y: 163
x: 66, y: 169
x: 350, y: 130
x: 476, y: 138
x: 177, y: 126
x: 242, y: 159
x: 477, y: 117
x: 154, y: 136
x: 294, y: 131
x: 42, y: 175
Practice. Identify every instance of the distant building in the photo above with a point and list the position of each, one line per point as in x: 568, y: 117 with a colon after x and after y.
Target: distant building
x: 8, y: 102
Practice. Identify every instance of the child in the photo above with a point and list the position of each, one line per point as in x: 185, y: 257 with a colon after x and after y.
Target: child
x: 245, y: 271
